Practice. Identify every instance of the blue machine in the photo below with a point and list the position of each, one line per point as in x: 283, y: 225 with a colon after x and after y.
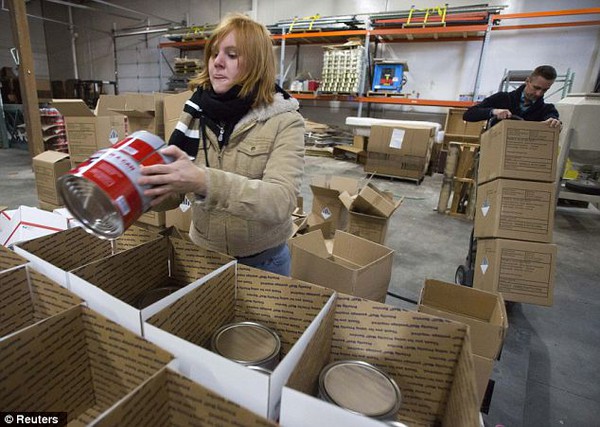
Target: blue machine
x: 389, y: 76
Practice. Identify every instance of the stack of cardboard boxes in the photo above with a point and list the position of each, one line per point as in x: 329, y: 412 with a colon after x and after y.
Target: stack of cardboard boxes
x: 516, y: 200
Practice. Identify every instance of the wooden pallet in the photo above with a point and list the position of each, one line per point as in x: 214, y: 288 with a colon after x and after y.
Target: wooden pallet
x: 386, y: 94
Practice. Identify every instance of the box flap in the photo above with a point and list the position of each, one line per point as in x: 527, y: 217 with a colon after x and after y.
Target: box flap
x: 72, y: 107
x: 108, y: 102
x: 135, y: 113
x: 50, y: 156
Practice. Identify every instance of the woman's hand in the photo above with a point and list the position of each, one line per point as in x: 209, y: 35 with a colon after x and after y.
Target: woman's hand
x: 179, y: 177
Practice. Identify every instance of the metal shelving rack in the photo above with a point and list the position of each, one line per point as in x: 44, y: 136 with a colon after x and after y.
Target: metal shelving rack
x: 434, y: 33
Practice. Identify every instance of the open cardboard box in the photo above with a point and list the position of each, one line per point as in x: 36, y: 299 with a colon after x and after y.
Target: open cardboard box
x: 169, y: 399
x: 370, y: 211
x: 48, y: 166
x: 57, y: 254
x: 326, y: 205
x: 27, y: 297
x: 88, y: 132
x: 10, y: 259
x: 428, y: 357
x: 113, y: 285
x: 355, y: 266
x: 289, y: 307
x: 76, y: 362
x: 28, y: 223
x: 483, y: 311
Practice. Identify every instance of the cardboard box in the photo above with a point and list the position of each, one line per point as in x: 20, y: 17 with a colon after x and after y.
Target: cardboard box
x: 113, y: 285
x: 27, y: 297
x: 71, y: 221
x: 428, y: 357
x: 48, y: 207
x: 519, y: 150
x: 409, y: 167
x: 326, y: 205
x: 48, y: 167
x: 180, y: 217
x: 355, y: 266
x: 9, y: 259
x: 455, y: 127
x: 169, y: 396
x: 484, y: 312
x: 144, y: 111
x: 76, y: 362
x: 86, y: 131
x: 401, y: 140
x: 290, y: 307
x: 57, y: 254
x: 483, y: 371
x: 28, y: 223
x: 157, y: 219
x: 370, y: 211
x: 5, y: 216
x: 519, y: 271
x: 108, y: 103
x: 509, y: 209
x: 173, y: 107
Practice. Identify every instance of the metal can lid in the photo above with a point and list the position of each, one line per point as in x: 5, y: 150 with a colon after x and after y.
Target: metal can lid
x: 361, y: 388
x: 91, y: 206
x: 248, y: 343
x: 149, y: 297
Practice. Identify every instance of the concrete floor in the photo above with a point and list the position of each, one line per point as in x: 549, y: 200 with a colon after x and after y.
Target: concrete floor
x: 548, y: 372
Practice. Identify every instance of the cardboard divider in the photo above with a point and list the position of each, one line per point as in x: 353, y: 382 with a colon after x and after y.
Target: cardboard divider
x: 112, y: 285
x: 428, y: 357
x: 354, y: 266
x: 27, y: 297
x: 169, y: 398
x: 10, y: 259
x: 61, y: 252
x: 287, y: 306
x: 76, y: 362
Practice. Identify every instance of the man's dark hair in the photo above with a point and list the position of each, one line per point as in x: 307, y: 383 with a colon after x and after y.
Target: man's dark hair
x: 546, y: 71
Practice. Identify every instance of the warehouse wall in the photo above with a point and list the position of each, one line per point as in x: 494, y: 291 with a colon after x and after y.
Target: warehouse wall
x: 441, y: 70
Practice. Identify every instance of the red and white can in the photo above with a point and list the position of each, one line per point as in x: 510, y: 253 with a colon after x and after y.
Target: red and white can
x: 103, y: 192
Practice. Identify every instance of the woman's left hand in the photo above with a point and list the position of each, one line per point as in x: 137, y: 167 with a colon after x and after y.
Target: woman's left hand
x: 179, y: 177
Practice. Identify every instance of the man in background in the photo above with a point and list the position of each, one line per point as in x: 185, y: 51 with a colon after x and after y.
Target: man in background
x: 526, y: 102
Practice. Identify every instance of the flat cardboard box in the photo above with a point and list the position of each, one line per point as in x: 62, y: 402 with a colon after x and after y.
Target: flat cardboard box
x: 57, y: 254
x: 27, y: 297
x: 28, y: 223
x: 169, y: 398
x: 326, y: 205
x: 113, y: 285
x: 428, y: 357
x: 290, y: 307
x: 10, y: 259
x: 484, y: 312
x: 354, y: 265
x: 510, y: 209
x: 87, y: 132
x: 76, y: 362
x: 519, y: 271
x: 519, y: 150
x: 173, y: 107
x: 48, y: 167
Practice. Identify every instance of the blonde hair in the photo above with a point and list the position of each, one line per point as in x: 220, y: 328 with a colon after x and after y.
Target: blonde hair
x: 255, y: 47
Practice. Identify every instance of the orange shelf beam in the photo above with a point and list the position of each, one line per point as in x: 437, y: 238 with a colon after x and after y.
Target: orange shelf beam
x: 385, y: 100
x: 567, y: 12
x: 318, y: 34
x: 429, y: 30
x: 548, y: 25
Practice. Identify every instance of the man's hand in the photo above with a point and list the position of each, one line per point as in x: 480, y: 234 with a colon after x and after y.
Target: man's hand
x: 501, y: 114
x: 553, y: 123
x: 180, y: 176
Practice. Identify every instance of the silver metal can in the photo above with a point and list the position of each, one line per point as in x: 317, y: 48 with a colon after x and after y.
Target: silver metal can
x: 149, y: 297
x: 103, y: 194
x: 248, y: 343
x: 361, y: 388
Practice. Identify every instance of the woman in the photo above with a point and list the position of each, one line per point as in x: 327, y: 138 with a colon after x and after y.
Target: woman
x: 247, y: 139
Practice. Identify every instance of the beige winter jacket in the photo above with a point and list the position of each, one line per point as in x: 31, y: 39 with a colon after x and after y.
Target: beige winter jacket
x: 253, y: 182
